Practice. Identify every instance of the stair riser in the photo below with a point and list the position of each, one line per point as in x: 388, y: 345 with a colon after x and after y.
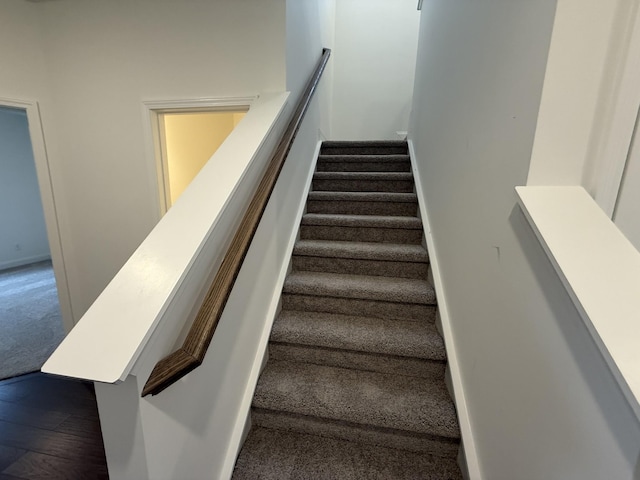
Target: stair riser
x: 364, y: 150
x: 398, y: 209
x: 360, y: 267
x: 372, y: 362
x: 364, y: 166
x: 367, y: 308
x: 434, y: 445
x: 362, y: 185
x: 361, y: 234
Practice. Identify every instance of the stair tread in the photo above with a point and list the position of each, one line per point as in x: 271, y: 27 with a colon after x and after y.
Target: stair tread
x: 363, y: 196
x: 363, y: 176
x: 397, y: 252
x: 271, y: 454
x: 371, y: 221
x: 406, y: 338
x: 364, y: 158
x: 364, y: 143
x: 360, y: 397
x: 390, y: 289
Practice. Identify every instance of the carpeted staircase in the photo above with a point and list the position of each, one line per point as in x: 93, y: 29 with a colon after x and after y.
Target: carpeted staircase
x: 354, y: 385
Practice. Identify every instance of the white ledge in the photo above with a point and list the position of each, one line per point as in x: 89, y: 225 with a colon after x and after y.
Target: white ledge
x: 599, y: 268
x: 110, y: 337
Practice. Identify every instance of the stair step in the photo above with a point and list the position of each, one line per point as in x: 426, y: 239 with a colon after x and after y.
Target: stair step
x: 409, y: 366
x: 370, y: 308
x: 365, y: 250
x: 361, y: 258
x: 363, y: 181
x: 398, y: 290
x: 365, y: 400
x: 363, y: 203
x: 375, y: 147
x: 363, y: 163
x: 361, y: 228
x: 270, y: 454
x: 404, y: 338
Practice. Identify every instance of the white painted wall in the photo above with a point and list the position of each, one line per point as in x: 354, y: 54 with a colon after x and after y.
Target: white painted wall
x: 542, y: 402
x: 99, y: 61
x: 23, y: 74
x: 375, y: 55
x: 24, y: 235
x: 589, y: 43
x: 310, y: 28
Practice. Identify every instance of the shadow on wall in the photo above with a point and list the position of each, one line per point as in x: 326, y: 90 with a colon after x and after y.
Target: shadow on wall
x: 614, y: 408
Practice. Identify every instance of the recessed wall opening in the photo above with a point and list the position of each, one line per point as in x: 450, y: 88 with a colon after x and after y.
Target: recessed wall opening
x: 186, y: 140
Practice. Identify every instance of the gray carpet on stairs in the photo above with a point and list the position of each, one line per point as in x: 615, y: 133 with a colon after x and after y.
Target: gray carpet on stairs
x: 380, y: 400
x: 389, y: 289
x: 278, y: 455
x: 363, y: 163
x: 354, y: 385
x: 405, y: 338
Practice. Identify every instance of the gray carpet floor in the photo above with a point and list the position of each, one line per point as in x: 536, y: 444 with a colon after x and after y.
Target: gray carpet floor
x: 30, y: 319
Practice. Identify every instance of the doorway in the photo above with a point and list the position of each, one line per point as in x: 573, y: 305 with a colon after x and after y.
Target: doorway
x: 188, y: 142
x: 30, y: 315
x: 183, y: 135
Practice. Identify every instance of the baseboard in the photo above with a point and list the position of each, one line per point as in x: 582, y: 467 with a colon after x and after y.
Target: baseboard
x: 20, y: 262
x: 240, y: 431
x: 468, y: 456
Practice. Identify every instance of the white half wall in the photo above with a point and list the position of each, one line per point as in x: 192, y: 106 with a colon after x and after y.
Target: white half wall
x: 375, y: 57
x: 194, y: 428
x: 542, y: 402
x: 24, y: 237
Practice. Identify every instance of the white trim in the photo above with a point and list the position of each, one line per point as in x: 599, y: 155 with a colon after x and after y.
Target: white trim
x: 51, y: 219
x: 613, y: 156
x: 468, y: 443
x: 153, y: 136
x: 235, y: 442
x: 23, y: 262
x: 162, y: 164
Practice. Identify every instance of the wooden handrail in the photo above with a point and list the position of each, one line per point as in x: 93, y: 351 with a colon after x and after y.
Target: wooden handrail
x: 188, y: 357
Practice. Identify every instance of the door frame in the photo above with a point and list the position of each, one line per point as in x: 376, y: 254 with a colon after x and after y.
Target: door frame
x: 152, y: 113
x: 49, y: 206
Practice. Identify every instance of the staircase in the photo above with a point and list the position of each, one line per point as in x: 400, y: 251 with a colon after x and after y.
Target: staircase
x: 354, y: 385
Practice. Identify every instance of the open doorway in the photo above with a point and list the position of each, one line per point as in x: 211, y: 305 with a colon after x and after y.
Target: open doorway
x: 31, y: 325
x: 188, y: 142
x: 183, y: 136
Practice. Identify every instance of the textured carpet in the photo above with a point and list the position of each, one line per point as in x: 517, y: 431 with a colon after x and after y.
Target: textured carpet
x: 30, y: 319
x: 281, y: 455
x: 354, y: 384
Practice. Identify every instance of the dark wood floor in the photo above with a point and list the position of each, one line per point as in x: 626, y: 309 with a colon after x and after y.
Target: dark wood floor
x: 49, y: 429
